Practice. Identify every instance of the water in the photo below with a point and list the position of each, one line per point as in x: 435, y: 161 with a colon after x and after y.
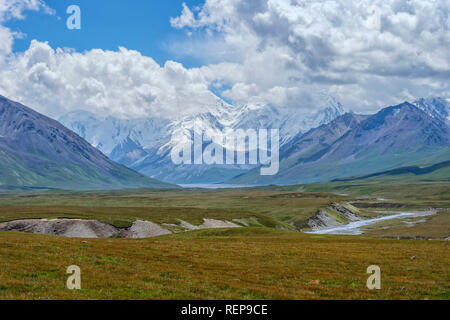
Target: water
x: 353, y: 228
x: 215, y: 186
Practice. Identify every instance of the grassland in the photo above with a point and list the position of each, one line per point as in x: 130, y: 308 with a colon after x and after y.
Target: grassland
x: 288, y: 207
x: 253, y: 263
x: 411, y: 195
x: 121, y: 207
x: 246, y: 263
x: 123, y: 217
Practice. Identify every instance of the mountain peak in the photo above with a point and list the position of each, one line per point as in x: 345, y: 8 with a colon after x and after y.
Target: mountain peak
x: 436, y: 107
x: 37, y: 151
x: 145, y: 145
x: 353, y: 145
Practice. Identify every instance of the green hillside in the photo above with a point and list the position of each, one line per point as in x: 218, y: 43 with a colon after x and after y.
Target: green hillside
x: 436, y: 172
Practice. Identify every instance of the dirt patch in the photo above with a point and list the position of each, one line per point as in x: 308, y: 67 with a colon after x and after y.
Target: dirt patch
x: 77, y: 228
x: 216, y: 224
x: 72, y: 228
x: 210, y: 224
x: 145, y: 229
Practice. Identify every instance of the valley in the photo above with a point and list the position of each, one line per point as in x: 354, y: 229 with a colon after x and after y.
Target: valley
x: 352, y: 191
x: 210, y: 157
x: 268, y: 257
x: 329, y: 143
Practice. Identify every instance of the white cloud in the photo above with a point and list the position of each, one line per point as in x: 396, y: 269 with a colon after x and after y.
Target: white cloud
x: 186, y: 19
x: 292, y: 47
x: 122, y: 83
x: 263, y: 51
x: 6, y: 41
x: 14, y: 9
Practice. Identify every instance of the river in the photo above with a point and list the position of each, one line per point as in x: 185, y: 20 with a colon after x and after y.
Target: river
x: 353, y: 228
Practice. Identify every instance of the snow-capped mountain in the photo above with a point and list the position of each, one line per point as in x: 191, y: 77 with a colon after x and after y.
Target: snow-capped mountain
x: 108, y: 133
x: 145, y: 144
x: 435, y: 107
x: 290, y: 121
x: 353, y: 145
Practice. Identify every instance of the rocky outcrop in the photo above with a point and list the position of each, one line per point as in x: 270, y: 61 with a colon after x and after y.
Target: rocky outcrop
x: 334, y: 215
x: 344, y: 211
x: 77, y: 228
x: 322, y: 220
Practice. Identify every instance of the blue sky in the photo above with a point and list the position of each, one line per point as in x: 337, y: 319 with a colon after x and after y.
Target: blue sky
x: 286, y: 53
x: 142, y: 25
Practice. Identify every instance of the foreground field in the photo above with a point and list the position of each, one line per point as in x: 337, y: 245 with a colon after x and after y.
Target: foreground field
x: 254, y: 263
x: 261, y: 262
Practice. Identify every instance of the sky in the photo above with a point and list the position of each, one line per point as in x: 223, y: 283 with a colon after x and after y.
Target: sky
x: 143, y: 26
x: 144, y: 58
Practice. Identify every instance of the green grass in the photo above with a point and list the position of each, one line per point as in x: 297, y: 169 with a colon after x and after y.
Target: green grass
x: 251, y: 263
x: 269, y: 206
x: 259, y: 262
x: 291, y: 205
x: 123, y: 217
x: 413, y: 195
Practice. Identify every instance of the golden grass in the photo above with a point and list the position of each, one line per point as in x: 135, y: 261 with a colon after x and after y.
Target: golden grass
x: 245, y: 263
x: 249, y: 263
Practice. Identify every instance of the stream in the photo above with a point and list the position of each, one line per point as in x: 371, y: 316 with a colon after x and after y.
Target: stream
x: 353, y: 228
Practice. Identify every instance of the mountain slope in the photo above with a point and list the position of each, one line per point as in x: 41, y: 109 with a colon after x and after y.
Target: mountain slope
x: 145, y: 144
x: 394, y: 137
x: 436, y: 172
x: 36, y: 151
x: 318, y: 139
x: 435, y: 107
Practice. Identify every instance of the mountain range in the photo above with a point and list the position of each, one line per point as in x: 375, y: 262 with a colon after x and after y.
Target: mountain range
x: 322, y: 145
x: 145, y: 144
x: 407, y: 134
x: 39, y: 152
x: 328, y: 144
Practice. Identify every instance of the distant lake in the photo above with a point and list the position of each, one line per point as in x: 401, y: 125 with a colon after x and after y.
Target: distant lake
x: 216, y: 186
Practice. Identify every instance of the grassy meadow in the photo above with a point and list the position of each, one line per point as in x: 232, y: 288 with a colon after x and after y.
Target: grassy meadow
x: 252, y: 263
x: 123, y: 207
x: 261, y: 262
